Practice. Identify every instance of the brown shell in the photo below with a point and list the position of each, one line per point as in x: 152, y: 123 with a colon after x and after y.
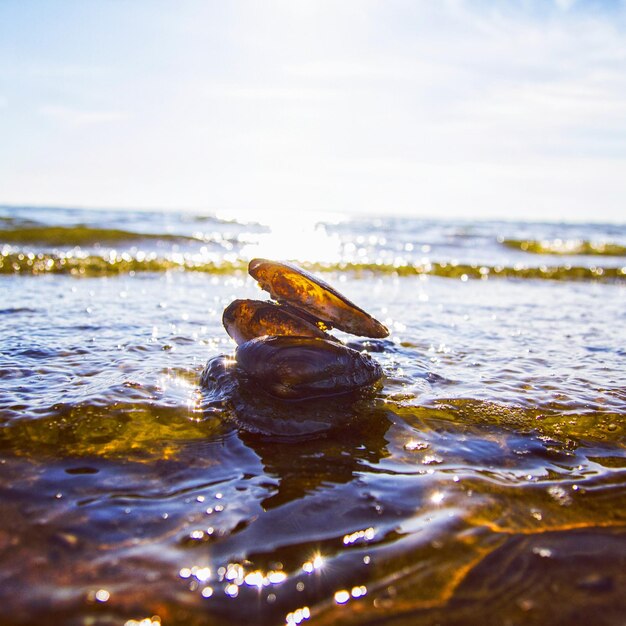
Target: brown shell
x: 247, y: 319
x: 287, y: 283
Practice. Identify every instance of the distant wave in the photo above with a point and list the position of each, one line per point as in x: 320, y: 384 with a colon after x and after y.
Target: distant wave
x: 124, y: 263
x: 79, y: 235
x: 565, y: 247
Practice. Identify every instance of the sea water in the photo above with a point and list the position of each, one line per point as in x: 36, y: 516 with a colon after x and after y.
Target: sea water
x: 483, y: 480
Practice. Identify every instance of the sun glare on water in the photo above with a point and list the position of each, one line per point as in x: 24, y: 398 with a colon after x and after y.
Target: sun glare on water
x: 296, y: 236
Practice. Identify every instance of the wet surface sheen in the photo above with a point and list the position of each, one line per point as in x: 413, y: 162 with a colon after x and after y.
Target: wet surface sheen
x: 483, y: 481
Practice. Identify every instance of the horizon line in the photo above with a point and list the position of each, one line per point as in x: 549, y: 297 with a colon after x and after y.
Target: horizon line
x: 346, y: 214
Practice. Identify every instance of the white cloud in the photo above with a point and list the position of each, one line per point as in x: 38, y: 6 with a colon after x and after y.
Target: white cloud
x: 266, y: 92
x: 565, y: 5
x: 80, y: 117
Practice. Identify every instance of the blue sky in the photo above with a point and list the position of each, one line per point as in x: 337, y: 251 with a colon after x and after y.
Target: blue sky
x: 451, y: 108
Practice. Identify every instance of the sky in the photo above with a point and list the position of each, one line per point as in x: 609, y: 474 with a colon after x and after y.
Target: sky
x: 472, y: 109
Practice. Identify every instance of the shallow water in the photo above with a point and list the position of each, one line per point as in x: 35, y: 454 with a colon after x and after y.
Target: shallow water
x: 483, y: 481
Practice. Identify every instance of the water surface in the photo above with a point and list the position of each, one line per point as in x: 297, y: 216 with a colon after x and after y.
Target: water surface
x: 483, y: 481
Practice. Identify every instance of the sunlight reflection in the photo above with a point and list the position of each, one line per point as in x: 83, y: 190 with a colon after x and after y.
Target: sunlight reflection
x: 155, y: 620
x: 342, y: 596
x: 363, y: 535
x: 316, y: 563
x: 231, y: 578
x: 413, y: 445
x: 298, y: 615
x: 254, y: 579
x: 102, y: 595
x: 437, y: 497
x: 232, y: 590
x: 294, y: 236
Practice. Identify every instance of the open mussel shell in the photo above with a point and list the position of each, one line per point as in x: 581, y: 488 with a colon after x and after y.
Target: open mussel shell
x: 287, y: 283
x: 306, y: 367
x: 247, y: 319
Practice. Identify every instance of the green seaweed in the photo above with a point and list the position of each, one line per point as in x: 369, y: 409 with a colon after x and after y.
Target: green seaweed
x: 566, y: 247
x: 124, y: 263
x: 79, y: 235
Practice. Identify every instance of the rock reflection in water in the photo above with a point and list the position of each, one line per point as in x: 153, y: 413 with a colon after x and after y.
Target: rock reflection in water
x: 296, y: 438
x: 314, y: 452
